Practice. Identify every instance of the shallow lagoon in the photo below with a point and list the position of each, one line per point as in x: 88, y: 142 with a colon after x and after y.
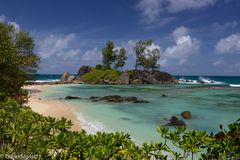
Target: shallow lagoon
x: 209, y: 106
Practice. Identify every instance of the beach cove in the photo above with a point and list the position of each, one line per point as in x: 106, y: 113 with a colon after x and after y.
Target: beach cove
x: 207, y: 105
x: 51, y: 108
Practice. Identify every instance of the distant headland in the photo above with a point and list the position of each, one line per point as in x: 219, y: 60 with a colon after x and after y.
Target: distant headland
x: 96, y: 75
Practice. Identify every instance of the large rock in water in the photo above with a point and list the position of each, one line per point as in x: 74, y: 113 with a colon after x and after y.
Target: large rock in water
x: 71, y: 97
x: 83, y: 70
x: 155, y: 77
x: 117, y: 99
x: 67, y: 78
x: 160, y: 77
x: 113, y: 98
x: 150, y: 79
x: 142, y: 75
x: 174, y: 121
x: 124, y: 78
x: 186, y: 114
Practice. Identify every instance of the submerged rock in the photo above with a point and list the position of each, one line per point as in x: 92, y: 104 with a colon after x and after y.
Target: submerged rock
x: 95, y: 99
x: 117, y: 99
x: 71, y: 97
x: 125, y: 118
x: 174, y: 121
x: 113, y: 98
x: 140, y: 101
x: 186, y: 114
x: 131, y: 99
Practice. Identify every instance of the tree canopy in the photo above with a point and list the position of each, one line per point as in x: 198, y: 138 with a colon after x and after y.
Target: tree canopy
x: 113, y: 57
x: 146, y: 56
x: 120, y: 58
x: 17, y: 61
x: 108, y: 54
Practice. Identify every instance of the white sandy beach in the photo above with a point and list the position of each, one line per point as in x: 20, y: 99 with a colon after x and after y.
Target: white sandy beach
x: 52, y: 108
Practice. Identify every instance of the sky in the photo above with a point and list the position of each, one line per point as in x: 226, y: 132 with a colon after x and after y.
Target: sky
x: 195, y: 37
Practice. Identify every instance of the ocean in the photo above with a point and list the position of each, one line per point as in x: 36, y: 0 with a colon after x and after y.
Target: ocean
x: 46, y: 77
x: 210, y: 107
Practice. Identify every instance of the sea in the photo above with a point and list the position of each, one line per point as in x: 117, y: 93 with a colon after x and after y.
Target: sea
x: 210, y: 106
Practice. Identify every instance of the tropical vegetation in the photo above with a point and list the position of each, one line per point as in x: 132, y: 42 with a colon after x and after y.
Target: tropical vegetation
x: 146, y: 56
x: 98, y: 75
x: 17, y: 61
x: 25, y: 134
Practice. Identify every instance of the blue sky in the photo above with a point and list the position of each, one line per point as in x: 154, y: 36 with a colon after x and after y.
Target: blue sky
x: 196, y: 37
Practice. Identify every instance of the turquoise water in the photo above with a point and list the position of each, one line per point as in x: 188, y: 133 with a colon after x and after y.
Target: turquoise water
x: 209, y: 106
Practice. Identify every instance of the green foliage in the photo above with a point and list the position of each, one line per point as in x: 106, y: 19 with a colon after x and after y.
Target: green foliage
x: 25, y: 45
x: 99, y: 66
x: 108, y: 54
x: 120, y: 58
x: 26, y: 133
x: 17, y: 61
x: 145, y: 56
x: 139, y: 49
x: 23, y: 132
x: 150, y: 60
x: 225, y: 144
x: 132, y: 73
x: 98, y: 75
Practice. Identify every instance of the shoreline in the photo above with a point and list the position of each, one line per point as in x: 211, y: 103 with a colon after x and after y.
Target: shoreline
x: 53, y: 108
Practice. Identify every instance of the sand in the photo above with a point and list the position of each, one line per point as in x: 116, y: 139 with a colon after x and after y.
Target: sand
x: 52, y: 108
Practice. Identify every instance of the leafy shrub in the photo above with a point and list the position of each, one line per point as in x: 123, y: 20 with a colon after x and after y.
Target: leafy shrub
x: 98, y: 66
x: 26, y: 133
x: 97, y: 75
x: 132, y: 73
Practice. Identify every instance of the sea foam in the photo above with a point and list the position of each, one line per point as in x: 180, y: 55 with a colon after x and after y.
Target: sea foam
x: 91, y: 126
x: 234, y: 85
x: 201, y: 80
x: 45, y: 81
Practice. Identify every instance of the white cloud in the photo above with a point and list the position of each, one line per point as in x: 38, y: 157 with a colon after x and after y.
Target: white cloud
x: 184, y: 47
x: 218, y: 62
x: 161, y: 22
x: 92, y: 56
x: 2, y: 18
x: 227, y: 25
x: 57, y: 45
x: 180, y: 5
x: 180, y: 31
x: 58, y: 53
x: 230, y: 44
x: 151, y: 9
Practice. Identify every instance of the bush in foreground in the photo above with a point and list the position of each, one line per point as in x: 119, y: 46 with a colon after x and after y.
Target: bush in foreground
x: 24, y: 134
